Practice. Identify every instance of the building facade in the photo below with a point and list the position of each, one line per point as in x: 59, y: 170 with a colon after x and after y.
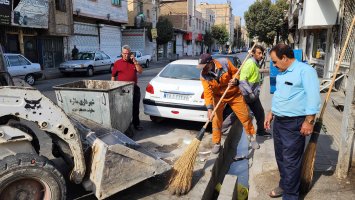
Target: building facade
x: 190, y: 24
x: 224, y: 16
x: 36, y: 30
x: 97, y: 26
x: 135, y: 34
x: 321, y: 37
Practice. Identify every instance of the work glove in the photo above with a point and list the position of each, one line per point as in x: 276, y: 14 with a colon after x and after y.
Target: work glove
x: 250, y: 98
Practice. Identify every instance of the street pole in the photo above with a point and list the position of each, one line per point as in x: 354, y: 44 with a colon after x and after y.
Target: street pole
x: 154, y: 26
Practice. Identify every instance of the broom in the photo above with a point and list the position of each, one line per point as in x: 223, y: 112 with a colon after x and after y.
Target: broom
x: 180, y: 181
x: 310, y: 152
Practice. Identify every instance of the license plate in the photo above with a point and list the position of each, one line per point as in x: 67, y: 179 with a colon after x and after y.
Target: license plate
x: 69, y: 69
x: 176, y: 96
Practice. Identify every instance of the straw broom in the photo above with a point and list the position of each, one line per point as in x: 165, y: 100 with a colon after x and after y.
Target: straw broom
x: 310, y: 152
x: 180, y: 181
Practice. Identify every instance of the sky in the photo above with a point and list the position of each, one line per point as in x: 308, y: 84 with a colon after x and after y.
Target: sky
x: 238, y: 6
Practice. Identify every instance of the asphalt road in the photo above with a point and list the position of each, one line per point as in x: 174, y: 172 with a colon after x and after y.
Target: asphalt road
x: 46, y: 87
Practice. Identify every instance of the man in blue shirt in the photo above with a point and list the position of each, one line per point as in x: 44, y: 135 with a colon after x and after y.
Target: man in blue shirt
x: 295, y: 103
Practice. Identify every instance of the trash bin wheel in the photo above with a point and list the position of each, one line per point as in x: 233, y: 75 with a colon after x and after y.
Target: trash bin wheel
x: 29, y: 176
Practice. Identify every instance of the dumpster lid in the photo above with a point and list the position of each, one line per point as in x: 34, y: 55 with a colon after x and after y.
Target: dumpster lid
x: 93, y: 85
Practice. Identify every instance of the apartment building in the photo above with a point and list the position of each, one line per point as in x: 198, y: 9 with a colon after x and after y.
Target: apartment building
x: 189, y: 23
x: 223, y: 16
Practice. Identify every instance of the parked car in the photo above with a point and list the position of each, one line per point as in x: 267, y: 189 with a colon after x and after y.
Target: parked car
x: 143, y: 60
x: 20, y: 66
x: 177, y: 93
x: 88, y: 62
x: 233, y: 58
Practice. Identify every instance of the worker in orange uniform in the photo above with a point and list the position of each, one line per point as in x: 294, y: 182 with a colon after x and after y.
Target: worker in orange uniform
x: 216, y: 74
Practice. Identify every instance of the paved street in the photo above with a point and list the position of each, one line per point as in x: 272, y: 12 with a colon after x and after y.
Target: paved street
x: 154, y: 137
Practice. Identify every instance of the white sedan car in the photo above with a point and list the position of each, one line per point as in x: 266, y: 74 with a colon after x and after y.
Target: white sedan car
x: 19, y: 66
x: 177, y: 93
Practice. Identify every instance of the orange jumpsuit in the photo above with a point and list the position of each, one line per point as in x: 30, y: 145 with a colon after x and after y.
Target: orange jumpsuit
x: 213, y: 90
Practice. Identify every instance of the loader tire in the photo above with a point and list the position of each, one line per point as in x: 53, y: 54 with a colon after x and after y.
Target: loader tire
x: 29, y: 176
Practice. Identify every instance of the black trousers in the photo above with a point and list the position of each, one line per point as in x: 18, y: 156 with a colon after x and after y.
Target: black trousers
x: 289, y: 146
x: 259, y: 114
x: 136, y: 101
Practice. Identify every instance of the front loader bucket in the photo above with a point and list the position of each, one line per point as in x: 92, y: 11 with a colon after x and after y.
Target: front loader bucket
x: 115, y: 162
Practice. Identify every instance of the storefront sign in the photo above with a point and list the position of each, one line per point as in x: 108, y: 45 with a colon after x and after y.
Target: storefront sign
x: 5, y: 12
x: 31, y: 13
x: 154, y: 33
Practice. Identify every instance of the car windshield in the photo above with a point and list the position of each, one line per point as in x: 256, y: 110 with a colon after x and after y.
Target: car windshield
x: 181, y: 71
x: 85, y: 56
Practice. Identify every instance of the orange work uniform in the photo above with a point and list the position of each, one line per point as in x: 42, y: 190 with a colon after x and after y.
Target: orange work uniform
x: 214, y: 86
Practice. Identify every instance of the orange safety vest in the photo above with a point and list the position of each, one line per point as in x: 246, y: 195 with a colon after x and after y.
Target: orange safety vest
x: 215, y: 86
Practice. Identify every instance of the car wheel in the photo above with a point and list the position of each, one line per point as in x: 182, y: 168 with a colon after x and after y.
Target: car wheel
x: 29, y: 176
x: 156, y: 119
x: 147, y: 63
x: 30, y: 79
x: 90, y: 71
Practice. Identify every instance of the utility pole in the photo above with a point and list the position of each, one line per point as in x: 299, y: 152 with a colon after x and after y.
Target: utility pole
x: 154, y: 27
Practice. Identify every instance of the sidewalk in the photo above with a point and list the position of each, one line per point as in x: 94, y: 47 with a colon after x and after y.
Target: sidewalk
x: 263, y: 172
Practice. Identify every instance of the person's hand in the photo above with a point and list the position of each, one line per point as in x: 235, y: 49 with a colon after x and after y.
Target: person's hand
x: 233, y: 82
x: 209, y: 114
x: 306, y: 129
x: 133, y: 59
x: 268, y: 120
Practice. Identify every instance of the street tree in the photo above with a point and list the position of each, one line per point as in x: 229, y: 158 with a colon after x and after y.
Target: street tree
x: 266, y: 20
x: 165, y: 30
x: 208, y: 39
x: 220, y: 34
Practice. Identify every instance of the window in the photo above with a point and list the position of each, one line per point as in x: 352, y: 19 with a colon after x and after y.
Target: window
x: 105, y: 56
x: 23, y: 60
x: 99, y: 56
x: 181, y: 71
x: 14, y: 61
x: 60, y: 5
x: 319, y: 44
x: 116, y: 2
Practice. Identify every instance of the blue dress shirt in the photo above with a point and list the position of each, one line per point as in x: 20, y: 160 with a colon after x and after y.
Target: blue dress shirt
x: 297, y: 91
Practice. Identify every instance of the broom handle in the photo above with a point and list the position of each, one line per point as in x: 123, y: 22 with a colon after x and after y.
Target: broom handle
x: 337, y: 68
x: 225, y: 92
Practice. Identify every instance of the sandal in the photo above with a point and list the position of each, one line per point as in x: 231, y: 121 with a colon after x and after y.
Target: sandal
x: 276, y: 192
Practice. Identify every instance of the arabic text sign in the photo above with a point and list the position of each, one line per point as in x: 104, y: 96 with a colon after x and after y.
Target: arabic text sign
x: 5, y: 12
